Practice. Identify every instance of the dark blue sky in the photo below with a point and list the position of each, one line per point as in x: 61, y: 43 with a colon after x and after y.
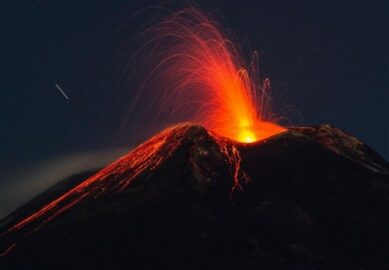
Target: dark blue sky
x: 328, y: 61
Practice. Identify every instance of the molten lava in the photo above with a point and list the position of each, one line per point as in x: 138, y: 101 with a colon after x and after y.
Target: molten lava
x: 203, y: 77
x: 115, y: 178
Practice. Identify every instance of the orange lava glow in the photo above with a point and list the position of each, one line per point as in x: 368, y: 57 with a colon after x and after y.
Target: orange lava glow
x: 203, y: 76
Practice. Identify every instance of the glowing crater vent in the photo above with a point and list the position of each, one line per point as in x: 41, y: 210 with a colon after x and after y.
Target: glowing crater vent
x: 204, y: 80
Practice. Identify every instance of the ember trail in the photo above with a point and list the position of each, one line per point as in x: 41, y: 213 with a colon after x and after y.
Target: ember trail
x: 198, y: 72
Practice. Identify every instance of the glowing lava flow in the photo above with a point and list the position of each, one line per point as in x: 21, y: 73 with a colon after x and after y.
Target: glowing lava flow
x: 146, y: 157
x: 116, y: 177
x: 202, y: 77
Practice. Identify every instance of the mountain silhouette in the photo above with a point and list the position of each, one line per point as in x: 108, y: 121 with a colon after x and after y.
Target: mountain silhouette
x: 308, y: 198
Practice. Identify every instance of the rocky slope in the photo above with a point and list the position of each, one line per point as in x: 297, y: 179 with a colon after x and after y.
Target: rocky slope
x: 309, y: 198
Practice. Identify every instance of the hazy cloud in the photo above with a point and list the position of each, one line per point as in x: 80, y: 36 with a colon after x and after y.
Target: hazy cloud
x: 25, y: 184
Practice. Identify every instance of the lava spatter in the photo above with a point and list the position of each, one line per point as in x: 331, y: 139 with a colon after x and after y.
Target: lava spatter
x: 199, y: 74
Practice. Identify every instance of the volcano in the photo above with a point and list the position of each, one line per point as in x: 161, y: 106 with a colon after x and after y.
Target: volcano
x: 307, y: 198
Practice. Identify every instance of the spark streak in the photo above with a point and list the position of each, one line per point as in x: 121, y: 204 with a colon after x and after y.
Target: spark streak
x: 62, y: 91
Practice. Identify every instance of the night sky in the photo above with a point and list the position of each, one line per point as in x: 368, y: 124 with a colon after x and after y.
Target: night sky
x: 327, y: 62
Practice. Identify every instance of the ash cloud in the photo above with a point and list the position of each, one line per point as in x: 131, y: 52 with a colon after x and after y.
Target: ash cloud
x: 23, y: 185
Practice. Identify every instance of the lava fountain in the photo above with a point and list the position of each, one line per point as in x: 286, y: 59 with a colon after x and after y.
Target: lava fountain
x: 203, y: 77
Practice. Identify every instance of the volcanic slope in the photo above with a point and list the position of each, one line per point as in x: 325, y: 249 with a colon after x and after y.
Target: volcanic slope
x: 308, y: 198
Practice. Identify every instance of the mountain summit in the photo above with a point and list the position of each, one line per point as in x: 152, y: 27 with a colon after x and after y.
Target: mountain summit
x: 307, y: 198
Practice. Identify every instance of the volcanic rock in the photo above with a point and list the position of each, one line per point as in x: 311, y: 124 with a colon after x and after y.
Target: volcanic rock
x: 308, y: 198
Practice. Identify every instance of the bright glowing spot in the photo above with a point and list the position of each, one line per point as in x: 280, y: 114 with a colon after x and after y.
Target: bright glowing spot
x: 247, y: 136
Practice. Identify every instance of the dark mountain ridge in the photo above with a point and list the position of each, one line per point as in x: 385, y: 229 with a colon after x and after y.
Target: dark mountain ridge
x: 309, y: 198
